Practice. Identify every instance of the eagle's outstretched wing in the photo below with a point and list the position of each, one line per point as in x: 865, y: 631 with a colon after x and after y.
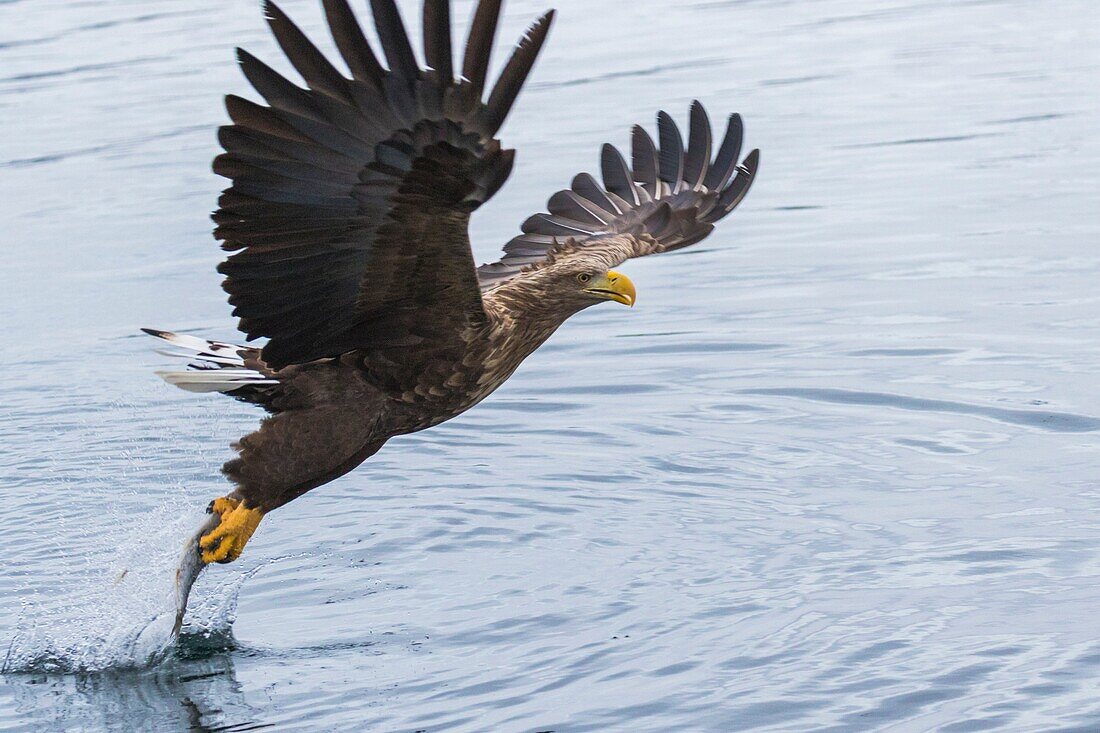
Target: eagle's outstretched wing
x: 350, y: 199
x: 670, y: 193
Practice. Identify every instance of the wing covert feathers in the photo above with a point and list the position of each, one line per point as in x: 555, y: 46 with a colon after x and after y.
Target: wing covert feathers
x: 342, y: 187
x: 674, y: 195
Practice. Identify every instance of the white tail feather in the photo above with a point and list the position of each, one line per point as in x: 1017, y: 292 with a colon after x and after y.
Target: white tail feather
x: 231, y: 361
x: 215, y: 380
x: 215, y: 366
x: 193, y: 347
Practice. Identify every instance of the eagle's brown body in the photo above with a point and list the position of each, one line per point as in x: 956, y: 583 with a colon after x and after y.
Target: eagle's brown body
x: 348, y: 223
x: 330, y: 416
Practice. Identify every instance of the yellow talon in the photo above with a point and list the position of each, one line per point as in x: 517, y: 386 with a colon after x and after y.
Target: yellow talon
x: 225, y: 542
x: 221, y: 505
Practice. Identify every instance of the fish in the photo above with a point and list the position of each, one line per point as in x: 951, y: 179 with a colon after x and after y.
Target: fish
x: 188, y: 570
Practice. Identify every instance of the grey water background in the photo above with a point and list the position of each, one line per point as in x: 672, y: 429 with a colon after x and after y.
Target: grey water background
x: 836, y: 471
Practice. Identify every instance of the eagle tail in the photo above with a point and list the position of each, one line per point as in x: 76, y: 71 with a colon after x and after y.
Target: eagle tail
x: 213, y: 366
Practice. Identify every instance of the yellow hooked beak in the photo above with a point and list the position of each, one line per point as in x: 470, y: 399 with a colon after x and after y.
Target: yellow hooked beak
x: 613, y: 286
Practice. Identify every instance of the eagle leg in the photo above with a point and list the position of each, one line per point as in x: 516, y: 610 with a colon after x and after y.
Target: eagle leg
x: 226, y: 541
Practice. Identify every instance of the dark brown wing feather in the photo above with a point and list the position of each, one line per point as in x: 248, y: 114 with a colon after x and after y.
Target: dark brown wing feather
x: 351, y: 197
x: 671, y: 194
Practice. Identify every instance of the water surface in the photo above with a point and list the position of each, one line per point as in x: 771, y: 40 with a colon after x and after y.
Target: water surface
x: 837, y: 470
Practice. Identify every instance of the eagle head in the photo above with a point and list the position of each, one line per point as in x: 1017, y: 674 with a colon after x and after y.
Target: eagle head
x: 608, y: 285
x: 569, y: 281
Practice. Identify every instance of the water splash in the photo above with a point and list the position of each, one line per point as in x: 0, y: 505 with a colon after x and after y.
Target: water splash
x: 121, y: 617
x: 125, y: 623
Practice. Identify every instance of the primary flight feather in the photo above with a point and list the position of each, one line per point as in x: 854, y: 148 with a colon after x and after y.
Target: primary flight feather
x: 347, y: 223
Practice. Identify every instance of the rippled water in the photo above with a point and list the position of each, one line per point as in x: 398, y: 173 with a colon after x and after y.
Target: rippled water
x: 836, y: 471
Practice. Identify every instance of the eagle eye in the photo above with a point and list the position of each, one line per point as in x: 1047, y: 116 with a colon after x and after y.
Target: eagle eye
x: 583, y: 278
